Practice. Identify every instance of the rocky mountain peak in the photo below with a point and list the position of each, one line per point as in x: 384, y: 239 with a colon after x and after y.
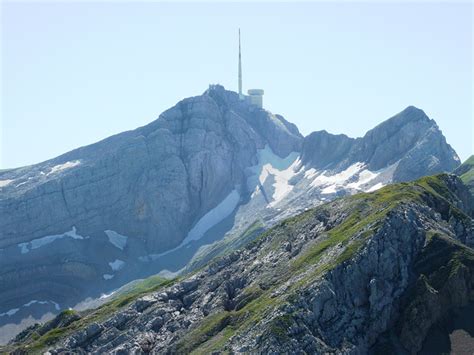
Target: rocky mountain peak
x: 321, y: 149
x: 153, y: 198
x: 101, y: 214
x: 409, y: 139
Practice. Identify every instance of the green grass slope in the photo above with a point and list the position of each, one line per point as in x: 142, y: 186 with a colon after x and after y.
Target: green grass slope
x: 466, y: 172
x: 348, y: 223
x: 38, y: 337
x: 362, y: 215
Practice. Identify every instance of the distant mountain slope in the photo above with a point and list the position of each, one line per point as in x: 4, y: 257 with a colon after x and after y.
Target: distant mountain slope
x: 154, y: 198
x: 466, y: 172
x: 404, y: 139
x: 405, y: 147
x: 371, y: 272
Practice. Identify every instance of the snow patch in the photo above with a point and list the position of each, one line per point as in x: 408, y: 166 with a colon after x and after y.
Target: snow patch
x: 213, y: 217
x: 376, y: 187
x: 117, y: 264
x: 210, y: 219
x: 365, y: 176
x: 13, y: 311
x: 337, y: 179
x: 120, y: 241
x: 40, y: 242
x: 10, y: 313
x: 4, y: 183
x: 281, y: 169
x: 310, y: 173
x: 107, y: 295
x: 330, y: 184
x: 107, y: 276
x: 35, y: 301
x: 331, y: 189
x: 64, y: 166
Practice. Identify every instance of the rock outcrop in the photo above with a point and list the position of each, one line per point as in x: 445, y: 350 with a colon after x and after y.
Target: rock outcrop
x: 337, y: 278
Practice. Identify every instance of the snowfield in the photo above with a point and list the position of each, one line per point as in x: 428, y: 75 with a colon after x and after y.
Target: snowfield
x: 6, y: 182
x: 117, y: 264
x: 213, y: 217
x: 13, y: 311
x: 356, y: 177
x: 64, y: 166
x: 281, y: 170
x: 118, y: 240
x: 40, y: 242
x: 206, y: 222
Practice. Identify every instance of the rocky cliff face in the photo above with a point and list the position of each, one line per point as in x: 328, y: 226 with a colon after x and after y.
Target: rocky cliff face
x: 150, y: 199
x: 405, y: 147
x: 83, y: 219
x: 359, y: 274
x: 409, y: 139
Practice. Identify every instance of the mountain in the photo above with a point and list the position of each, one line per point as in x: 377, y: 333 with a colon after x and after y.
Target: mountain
x: 466, y: 172
x: 209, y: 174
x: 369, y: 273
x: 409, y: 143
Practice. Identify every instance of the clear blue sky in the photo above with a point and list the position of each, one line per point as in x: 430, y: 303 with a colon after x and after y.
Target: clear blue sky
x: 74, y: 73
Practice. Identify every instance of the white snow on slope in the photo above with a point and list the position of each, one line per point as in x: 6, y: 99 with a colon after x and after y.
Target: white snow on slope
x: 6, y: 182
x: 21, y: 183
x: 213, y: 217
x: 337, y: 179
x: 13, y: 311
x: 56, y: 305
x: 331, y: 189
x: 117, y: 264
x: 120, y: 241
x: 375, y: 187
x: 357, y: 174
x: 365, y: 176
x: 107, y: 276
x: 40, y: 242
x: 310, y: 173
x: 210, y: 219
x: 10, y: 313
x: 64, y: 166
x: 107, y: 295
x: 281, y: 169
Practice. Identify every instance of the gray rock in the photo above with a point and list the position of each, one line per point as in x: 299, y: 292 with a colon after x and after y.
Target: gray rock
x: 151, y: 185
x: 155, y: 183
x: 409, y: 138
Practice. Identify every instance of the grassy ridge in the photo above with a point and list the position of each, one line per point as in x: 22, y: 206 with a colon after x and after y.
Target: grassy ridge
x: 367, y: 211
x: 362, y: 215
x: 36, y: 342
x: 466, y: 173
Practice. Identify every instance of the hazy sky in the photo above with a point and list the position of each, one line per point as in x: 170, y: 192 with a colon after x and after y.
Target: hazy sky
x: 74, y: 73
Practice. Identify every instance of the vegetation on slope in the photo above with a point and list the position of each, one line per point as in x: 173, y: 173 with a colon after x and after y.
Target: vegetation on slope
x: 225, y: 246
x: 362, y: 216
x: 466, y: 172
x: 348, y: 223
x: 38, y: 337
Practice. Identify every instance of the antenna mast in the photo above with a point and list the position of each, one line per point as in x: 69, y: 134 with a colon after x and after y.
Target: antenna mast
x: 241, y: 96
